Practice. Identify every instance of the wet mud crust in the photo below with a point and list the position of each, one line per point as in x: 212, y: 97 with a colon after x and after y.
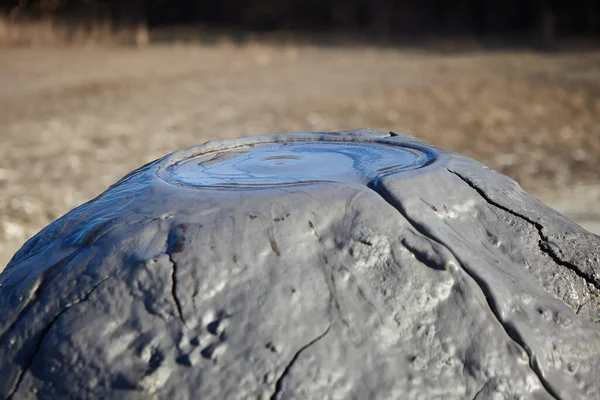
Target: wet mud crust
x: 358, y: 264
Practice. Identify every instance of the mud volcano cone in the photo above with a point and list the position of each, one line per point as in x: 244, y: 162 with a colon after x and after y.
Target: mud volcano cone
x: 344, y: 265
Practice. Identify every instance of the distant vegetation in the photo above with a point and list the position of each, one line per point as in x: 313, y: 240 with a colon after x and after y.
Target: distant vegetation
x: 540, y: 20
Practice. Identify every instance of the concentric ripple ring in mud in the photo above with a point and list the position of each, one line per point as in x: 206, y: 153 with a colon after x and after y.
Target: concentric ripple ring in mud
x: 288, y: 163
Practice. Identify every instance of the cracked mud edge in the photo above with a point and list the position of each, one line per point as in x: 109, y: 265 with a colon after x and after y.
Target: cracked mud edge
x: 542, y: 243
x: 507, y: 326
x: 286, y: 371
x: 174, y: 287
x: 44, y: 332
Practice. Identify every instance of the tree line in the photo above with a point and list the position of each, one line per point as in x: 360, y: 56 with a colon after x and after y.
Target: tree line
x: 382, y: 17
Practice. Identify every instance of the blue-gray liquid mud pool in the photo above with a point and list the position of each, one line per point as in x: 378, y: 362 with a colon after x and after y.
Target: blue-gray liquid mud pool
x: 295, y: 163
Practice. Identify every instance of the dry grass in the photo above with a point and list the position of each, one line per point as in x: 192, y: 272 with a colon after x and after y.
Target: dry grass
x: 74, y: 120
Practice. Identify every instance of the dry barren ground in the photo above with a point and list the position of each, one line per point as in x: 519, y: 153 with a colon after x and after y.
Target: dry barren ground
x: 74, y: 120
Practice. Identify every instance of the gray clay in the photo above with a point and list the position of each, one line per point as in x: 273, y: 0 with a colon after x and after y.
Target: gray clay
x: 352, y: 265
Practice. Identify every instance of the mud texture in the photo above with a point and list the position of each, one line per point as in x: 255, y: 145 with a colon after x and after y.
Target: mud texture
x: 432, y: 277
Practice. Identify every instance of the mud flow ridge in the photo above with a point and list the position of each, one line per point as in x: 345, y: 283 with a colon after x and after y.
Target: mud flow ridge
x: 510, y: 331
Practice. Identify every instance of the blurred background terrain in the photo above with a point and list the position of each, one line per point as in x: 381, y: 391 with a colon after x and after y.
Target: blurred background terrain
x: 90, y: 90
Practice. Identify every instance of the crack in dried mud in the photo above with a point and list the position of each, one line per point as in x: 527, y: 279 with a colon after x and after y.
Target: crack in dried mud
x: 544, y: 241
x: 506, y: 325
x: 174, y: 288
x: 286, y: 371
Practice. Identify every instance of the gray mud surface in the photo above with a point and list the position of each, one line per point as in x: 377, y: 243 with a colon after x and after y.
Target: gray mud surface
x: 74, y: 120
x: 386, y: 269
